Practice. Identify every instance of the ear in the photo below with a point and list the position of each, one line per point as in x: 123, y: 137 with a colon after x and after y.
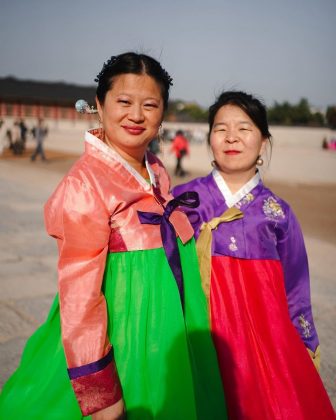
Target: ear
x: 263, y: 145
x: 99, y: 109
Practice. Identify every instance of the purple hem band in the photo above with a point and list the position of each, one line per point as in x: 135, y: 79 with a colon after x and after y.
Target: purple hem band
x: 90, y: 368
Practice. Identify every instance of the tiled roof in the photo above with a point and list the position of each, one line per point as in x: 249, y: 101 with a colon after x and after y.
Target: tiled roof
x: 44, y: 93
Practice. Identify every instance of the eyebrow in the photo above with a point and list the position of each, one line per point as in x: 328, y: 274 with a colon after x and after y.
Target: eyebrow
x: 217, y: 124
x: 149, y: 98
x: 239, y: 122
x: 132, y: 94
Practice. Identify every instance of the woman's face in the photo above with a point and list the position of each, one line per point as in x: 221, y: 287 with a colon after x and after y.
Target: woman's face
x: 131, y: 114
x: 235, y: 140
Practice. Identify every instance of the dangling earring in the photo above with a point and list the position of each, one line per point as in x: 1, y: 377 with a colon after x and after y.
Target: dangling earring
x: 101, y: 132
x: 260, y: 161
x: 160, y: 135
x: 101, y: 128
x: 214, y: 164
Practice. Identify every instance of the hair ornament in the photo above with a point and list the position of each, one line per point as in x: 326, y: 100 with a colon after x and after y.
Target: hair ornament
x: 83, y: 107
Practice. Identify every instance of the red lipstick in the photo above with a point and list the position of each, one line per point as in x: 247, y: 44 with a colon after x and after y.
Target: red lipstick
x: 232, y: 152
x: 135, y: 130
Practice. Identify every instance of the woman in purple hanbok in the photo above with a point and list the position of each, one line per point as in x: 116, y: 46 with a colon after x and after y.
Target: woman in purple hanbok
x: 255, y: 273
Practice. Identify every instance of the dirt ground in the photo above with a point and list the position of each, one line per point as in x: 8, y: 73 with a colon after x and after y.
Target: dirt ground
x: 314, y: 205
x: 26, y: 299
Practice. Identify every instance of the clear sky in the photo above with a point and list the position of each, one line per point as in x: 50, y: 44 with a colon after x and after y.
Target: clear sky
x: 279, y: 50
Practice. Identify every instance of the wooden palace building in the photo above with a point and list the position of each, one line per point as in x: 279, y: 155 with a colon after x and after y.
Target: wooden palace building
x: 35, y: 99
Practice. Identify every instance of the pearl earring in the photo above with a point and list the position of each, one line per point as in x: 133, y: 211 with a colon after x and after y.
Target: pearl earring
x: 260, y: 161
x: 160, y: 135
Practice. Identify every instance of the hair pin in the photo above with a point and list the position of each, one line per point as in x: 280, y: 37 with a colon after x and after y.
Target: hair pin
x: 83, y: 107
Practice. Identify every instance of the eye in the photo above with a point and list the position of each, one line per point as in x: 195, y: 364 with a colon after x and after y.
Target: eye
x: 123, y: 101
x: 151, y: 105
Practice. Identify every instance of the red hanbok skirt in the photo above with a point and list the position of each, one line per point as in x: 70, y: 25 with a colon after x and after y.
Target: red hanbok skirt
x: 266, y: 370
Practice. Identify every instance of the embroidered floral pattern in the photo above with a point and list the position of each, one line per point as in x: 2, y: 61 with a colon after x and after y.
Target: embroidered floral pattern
x: 233, y: 247
x: 245, y: 200
x: 305, y: 325
x: 272, y: 209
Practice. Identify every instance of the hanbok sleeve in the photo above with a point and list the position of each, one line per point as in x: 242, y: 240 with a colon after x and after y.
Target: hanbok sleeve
x: 293, y: 256
x: 79, y: 219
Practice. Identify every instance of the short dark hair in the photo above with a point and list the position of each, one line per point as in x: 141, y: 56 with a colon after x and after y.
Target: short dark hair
x: 131, y: 62
x: 252, y: 106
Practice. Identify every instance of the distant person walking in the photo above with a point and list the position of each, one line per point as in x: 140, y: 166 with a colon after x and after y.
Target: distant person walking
x: 9, y: 138
x: 39, y: 132
x: 180, y: 146
x: 2, y: 137
x: 23, y: 133
x: 14, y: 139
x: 154, y: 146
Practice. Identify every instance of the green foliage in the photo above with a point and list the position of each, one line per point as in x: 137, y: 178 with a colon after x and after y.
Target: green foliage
x: 331, y: 116
x: 186, y: 112
x: 297, y: 114
x: 300, y: 114
x: 280, y: 113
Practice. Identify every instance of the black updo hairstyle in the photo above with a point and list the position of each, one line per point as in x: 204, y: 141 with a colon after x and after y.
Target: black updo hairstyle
x: 131, y: 62
x: 252, y: 106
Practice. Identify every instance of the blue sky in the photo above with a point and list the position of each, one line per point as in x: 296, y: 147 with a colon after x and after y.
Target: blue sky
x: 278, y: 50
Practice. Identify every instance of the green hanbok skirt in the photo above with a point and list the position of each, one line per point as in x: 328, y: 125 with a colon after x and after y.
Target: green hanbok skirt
x: 165, y: 358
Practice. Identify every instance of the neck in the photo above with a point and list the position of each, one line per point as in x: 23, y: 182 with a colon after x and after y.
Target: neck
x: 235, y: 181
x: 135, y: 158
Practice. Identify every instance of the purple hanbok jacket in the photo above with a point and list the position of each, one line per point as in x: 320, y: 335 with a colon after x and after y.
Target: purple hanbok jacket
x: 269, y: 230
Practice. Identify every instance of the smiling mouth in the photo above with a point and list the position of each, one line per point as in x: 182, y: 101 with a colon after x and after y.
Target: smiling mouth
x: 134, y: 130
x: 232, y: 152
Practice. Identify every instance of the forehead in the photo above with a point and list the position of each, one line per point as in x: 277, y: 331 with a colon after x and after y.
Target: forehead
x: 139, y: 84
x: 232, y: 112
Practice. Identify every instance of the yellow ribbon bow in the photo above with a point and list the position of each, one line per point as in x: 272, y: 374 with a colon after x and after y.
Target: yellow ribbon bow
x: 203, y: 244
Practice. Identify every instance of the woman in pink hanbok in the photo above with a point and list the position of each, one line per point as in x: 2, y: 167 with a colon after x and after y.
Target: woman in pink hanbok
x: 129, y: 328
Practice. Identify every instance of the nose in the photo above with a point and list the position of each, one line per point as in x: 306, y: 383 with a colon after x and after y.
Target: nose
x: 136, y: 113
x: 231, y: 137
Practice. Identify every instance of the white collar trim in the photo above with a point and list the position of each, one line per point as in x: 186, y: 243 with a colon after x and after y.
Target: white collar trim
x: 232, y: 199
x: 114, y: 155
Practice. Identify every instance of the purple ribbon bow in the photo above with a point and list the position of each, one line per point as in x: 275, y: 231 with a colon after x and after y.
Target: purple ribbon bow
x: 188, y: 199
